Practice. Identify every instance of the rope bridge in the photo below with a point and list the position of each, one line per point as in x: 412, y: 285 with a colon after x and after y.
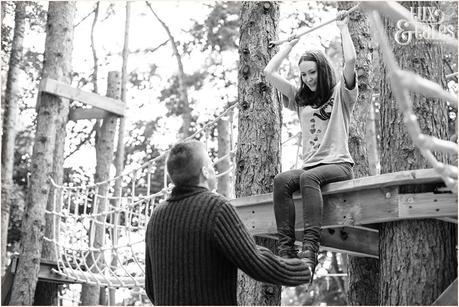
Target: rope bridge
x: 99, y: 236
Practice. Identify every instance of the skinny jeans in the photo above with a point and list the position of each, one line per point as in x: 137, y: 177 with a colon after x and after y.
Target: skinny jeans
x: 309, y: 182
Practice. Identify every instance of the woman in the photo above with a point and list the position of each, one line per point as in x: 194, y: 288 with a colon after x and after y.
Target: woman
x: 324, y: 107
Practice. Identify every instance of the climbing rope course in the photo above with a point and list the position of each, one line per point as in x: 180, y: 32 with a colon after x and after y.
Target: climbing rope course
x: 99, y: 230
x: 99, y: 236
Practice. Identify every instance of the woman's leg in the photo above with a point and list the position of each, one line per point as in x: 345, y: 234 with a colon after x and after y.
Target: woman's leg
x: 311, y: 181
x: 284, y: 210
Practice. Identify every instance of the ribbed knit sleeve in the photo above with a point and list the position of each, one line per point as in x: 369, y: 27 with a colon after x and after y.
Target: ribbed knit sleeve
x: 236, y: 243
x: 148, y: 276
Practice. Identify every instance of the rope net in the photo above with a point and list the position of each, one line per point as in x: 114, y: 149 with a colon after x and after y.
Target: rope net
x: 99, y: 229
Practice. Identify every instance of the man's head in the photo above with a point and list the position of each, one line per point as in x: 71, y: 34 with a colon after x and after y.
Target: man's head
x: 189, y: 164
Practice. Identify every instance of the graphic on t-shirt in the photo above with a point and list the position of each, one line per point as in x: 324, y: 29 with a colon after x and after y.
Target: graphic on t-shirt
x: 325, y: 110
x: 315, y: 133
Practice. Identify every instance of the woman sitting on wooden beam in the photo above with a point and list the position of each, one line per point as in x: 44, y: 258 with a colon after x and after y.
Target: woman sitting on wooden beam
x: 324, y: 107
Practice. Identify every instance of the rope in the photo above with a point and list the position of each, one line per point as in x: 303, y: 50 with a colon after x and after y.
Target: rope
x: 148, y: 163
x: 401, y: 81
x: 298, y: 35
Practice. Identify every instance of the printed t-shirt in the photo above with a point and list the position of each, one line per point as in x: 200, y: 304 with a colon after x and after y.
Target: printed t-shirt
x: 325, y: 131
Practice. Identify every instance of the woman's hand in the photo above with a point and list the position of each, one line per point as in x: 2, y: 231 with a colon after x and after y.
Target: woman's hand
x: 292, y: 41
x: 342, y: 19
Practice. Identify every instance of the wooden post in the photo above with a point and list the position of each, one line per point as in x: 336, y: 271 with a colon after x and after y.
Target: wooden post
x: 104, y: 152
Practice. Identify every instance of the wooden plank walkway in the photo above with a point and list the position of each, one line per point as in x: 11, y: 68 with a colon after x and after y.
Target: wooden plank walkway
x: 368, y: 200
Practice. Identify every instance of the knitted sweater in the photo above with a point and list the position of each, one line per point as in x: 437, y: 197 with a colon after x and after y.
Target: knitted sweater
x: 195, y: 242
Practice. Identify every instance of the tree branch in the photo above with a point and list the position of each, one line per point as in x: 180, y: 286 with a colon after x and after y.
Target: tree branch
x: 82, y: 142
x: 85, y: 17
x: 181, y: 78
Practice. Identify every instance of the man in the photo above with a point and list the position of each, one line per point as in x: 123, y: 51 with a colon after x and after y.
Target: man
x: 195, y: 241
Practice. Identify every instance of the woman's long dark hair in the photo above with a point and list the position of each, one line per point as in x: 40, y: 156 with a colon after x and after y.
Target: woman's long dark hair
x: 325, y: 81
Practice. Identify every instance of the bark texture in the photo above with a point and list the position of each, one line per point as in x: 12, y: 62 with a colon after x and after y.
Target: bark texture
x: 120, y: 147
x: 105, y: 146
x: 224, y: 147
x: 57, y: 65
x: 362, y: 288
x: 414, y: 252
x: 10, y: 117
x: 258, y: 152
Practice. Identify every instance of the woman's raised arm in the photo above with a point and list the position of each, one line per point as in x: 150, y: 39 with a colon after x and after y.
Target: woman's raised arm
x: 348, y: 49
x: 271, y: 70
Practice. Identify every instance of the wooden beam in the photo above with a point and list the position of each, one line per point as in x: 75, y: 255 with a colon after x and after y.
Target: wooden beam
x: 354, y: 208
x: 448, y: 297
x: 355, y: 241
x: 427, y: 205
x: 349, y: 240
x: 448, y: 219
x: 92, y: 113
x: 420, y: 176
x: 63, y: 90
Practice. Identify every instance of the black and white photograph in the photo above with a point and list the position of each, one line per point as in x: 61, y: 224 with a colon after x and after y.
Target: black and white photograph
x: 253, y: 153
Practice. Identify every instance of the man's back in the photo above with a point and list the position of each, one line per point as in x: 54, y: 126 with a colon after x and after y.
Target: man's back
x: 194, y: 245
x: 188, y: 269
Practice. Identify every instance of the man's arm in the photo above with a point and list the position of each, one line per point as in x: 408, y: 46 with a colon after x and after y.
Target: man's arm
x: 235, y: 242
x: 148, y: 276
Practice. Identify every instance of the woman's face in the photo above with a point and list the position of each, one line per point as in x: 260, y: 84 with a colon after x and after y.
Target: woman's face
x: 308, y: 72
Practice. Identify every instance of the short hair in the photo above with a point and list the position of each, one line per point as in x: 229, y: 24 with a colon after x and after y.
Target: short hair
x: 184, y: 163
x: 325, y: 81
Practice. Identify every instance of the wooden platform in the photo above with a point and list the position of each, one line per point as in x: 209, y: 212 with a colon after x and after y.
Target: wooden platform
x: 368, y: 200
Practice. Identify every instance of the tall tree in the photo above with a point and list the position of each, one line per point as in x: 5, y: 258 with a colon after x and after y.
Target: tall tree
x: 363, y: 272
x: 184, y: 101
x: 105, y: 145
x: 414, y: 252
x: 120, y: 147
x: 258, y: 152
x: 9, y: 128
x: 58, y: 52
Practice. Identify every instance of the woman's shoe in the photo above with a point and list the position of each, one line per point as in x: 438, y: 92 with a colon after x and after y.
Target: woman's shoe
x: 310, y: 259
x: 288, y: 254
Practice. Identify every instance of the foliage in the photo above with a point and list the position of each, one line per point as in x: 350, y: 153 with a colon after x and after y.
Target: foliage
x: 220, y: 30
x: 171, y: 95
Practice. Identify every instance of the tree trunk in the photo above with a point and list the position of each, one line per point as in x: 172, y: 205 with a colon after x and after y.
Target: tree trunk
x: 119, y: 157
x: 105, y: 146
x: 184, y: 101
x: 9, y: 130
x: 224, y: 148
x: 414, y: 252
x: 57, y: 65
x: 258, y: 152
x: 362, y: 288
